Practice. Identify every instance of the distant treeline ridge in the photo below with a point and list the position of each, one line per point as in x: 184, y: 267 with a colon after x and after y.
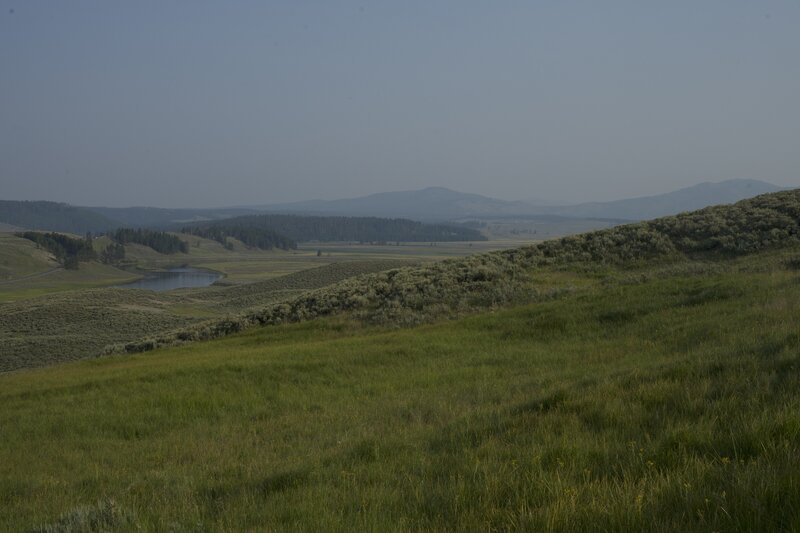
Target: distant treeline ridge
x: 254, y: 237
x: 53, y: 216
x: 283, y: 231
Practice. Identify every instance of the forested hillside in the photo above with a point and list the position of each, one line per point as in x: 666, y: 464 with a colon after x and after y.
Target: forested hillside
x: 160, y: 241
x: 67, y: 250
x: 52, y: 216
x: 255, y: 237
x: 327, y: 229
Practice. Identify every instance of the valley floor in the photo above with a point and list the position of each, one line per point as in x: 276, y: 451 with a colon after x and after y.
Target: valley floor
x: 663, y: 400
x: 50, y: 315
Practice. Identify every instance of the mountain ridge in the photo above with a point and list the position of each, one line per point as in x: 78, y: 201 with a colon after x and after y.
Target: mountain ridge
x: 440, y: 203
x: 689, y: 198
x: 431, y: 204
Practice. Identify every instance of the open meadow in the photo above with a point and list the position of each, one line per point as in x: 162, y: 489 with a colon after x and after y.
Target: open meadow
x: 639, y: 378
x: 642, y: 400
x: 490, y: 267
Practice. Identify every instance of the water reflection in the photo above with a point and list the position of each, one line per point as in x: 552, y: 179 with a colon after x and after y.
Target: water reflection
x: 174, y: 278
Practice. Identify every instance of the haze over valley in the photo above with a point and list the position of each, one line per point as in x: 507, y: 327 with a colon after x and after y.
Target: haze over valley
x: 451, y: 266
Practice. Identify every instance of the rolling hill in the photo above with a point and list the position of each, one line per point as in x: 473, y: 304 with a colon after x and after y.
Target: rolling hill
x: 639, y: 378
x: 416, y: 295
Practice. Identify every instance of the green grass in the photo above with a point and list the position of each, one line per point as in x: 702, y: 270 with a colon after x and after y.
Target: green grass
x: 410, y: 250
x: 21, y: 257
x: 27, y: 272
x: 647, y: 400
x: 88, y: 276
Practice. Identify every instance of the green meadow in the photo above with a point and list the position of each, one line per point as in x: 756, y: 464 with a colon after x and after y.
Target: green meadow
x: 640, y: 378
x: 642, y: 400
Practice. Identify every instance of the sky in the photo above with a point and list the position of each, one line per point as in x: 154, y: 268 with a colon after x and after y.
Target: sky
x: 208, y: 104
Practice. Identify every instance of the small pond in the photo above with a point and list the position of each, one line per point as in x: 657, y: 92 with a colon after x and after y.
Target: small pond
x: 174, y: 278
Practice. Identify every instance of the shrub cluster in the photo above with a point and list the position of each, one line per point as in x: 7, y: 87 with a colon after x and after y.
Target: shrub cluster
x: 760, y: 223
x: 400, y: 297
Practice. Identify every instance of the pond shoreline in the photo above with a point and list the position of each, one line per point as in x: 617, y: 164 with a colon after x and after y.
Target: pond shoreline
x: 173, y: 278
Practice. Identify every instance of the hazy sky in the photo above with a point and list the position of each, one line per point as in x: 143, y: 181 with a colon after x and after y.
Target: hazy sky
x: 199, y: 103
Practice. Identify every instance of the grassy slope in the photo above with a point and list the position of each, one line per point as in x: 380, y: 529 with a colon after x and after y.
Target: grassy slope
x: 27, y: 272
x: 640, y: 402
x: 88, y: 276
x: 20, y: 257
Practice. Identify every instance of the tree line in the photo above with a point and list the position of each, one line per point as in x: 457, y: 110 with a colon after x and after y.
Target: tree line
x: 160, y: 241
x: 255, y: 237
x: 69, y: 251
x: 283, y: 231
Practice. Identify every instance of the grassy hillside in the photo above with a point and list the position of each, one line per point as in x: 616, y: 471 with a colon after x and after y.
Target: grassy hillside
x: 20, y: 258
x: 75, y: 325
x: 649, y: 398
x: 27, y: 271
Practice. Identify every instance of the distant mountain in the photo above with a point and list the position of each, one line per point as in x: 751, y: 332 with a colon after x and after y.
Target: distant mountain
x: 688, y: 199
x: 53, y: 216
x: 433, y: 203
x: 440, y: 204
